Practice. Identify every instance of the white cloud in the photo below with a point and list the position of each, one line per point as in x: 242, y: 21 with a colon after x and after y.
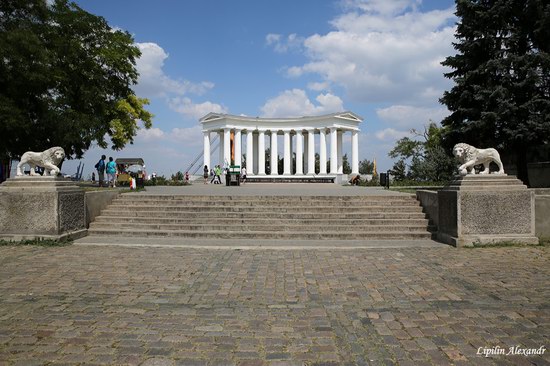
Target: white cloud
x: 390, y: 134
x: 295, y: 102
x: 383, y: 51
x: 405, y: 116
x: 151, y: 134
x: 283, y: 45
x: 192, y: 110
x: 153, y: 82
x: 190, y: 136
x: 316, y: 86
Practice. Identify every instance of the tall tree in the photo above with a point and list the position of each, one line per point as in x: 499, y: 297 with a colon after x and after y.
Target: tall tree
x: 65, y: 80
x: 428, y: 159
x: 501, y: 96
x: 346, y: 168
x: 366, y: 167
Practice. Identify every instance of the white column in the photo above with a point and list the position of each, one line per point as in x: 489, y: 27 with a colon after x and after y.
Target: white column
x: 311, y: 152
x: 322, y: 151
x: 226, y: 146
x: 299, y: 153
x: 354, y: 152
x: 249, y: 152
x: 261, y: 153
x: 254, y: 167
x: 206, y: 135
x: 339, y: 152
x: 238, y: 147
x: 291, y: 153
x: 221, y: 149
x: 274, y: 160
x: 333, y: 151
x: 306, y: 142
x: 287, y: 156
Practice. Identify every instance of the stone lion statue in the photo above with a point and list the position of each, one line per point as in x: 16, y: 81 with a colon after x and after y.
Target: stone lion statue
x: 471, y: 156
x: 49, y: 160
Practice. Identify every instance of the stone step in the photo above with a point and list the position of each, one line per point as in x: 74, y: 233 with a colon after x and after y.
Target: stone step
x: 214, y: 215
x: 265, y: 227
x: 246, y: 197
x: 166, y: 197
x: 259, y: 221
x: 192, y: 203
x: 260, y: 209
x: 220, y: 218
x: 286, y: 235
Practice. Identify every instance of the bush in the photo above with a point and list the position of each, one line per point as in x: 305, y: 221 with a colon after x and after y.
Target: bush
x: 162, y: 181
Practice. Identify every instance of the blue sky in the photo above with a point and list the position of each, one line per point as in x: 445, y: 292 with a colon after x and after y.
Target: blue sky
x: 377, y: 58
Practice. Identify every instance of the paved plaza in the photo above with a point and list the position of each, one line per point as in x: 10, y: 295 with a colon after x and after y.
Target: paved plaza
x: 116, y: 305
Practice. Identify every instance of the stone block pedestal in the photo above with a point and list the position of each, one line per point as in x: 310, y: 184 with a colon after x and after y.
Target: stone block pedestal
x: 484, y: 209
x: 41, y: 207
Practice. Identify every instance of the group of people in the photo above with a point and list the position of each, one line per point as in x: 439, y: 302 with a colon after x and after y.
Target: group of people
x: 106, y: 167
x: 215, y: 174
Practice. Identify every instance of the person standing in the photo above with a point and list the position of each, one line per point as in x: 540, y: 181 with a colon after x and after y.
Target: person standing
x: 243, y: 174
x: 111, y: 172
x: 217, y: 176
x: 100, y: 166
x: 205, y: 174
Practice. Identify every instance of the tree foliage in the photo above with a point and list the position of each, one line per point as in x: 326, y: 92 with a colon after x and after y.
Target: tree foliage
x: 428, y: 160
x: 366, y: 167
x: 65, y: 80
x: 501, y: 96
x: 346, y: 168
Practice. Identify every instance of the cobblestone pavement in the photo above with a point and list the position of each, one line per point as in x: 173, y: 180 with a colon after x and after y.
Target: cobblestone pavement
x: 176, y: 306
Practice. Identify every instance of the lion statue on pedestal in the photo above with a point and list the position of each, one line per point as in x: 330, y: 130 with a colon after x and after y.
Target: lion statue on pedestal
x: 471, y: 156
x: 48, y: 159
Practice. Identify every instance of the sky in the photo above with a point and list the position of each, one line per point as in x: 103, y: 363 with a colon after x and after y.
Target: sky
x: 281, y: 58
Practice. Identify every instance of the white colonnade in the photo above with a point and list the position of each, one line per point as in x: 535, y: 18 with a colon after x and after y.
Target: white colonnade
x: 302, y: 137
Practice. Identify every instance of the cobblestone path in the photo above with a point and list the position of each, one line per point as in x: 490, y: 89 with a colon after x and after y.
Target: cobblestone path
x: 170, y: 306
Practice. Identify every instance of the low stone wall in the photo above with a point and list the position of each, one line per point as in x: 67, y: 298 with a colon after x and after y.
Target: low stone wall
x: 542, y: 215
x: 428, y: 200
x: 96, y: 201
x: 430, y: 204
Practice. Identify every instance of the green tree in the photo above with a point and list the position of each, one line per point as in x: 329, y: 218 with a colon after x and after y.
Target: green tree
x: 428, y: 159
x: 345, y: 163
x: 366, y: 167
x: 501, y: 96
x: 65, y: 80
x: 399, y: 170
x: 317, y: 163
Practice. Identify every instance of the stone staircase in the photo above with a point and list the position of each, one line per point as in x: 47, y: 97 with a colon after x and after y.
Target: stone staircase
x: 264, y: 217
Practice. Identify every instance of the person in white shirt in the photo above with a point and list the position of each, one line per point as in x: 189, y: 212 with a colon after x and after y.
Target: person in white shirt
x: 243, y: 174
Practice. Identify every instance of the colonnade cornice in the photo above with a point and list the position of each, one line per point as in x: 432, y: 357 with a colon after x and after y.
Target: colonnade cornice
x: 245, y: 129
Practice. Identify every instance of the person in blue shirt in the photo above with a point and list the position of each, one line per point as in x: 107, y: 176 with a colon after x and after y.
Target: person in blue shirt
x: 111, y: 172
x: 100, y: 166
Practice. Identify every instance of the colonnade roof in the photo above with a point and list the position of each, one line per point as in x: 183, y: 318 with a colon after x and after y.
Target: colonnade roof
x: 341, y: 120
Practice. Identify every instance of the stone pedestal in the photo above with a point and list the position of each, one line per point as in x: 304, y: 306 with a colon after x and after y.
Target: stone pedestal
x: 41, y: 207
x: 484, y: 209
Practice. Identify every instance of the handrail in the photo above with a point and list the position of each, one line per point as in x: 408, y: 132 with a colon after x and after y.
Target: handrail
x: 201, y: 154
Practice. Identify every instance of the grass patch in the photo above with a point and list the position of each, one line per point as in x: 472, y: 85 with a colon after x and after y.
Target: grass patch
x: 128, y: 190
x: 92, y: 189
x: 505, y: 244
x: 37, y: 242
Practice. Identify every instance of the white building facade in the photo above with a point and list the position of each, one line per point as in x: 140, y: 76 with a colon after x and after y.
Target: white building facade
x: 302, y: 138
